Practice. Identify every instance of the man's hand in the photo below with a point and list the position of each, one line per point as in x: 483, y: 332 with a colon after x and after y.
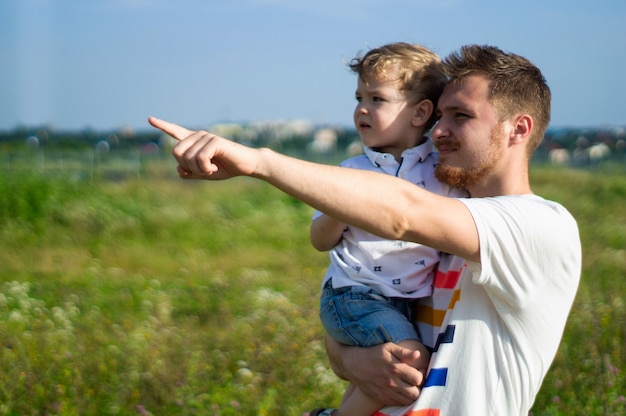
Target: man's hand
x: 202, y: 155
x: 384, y: 372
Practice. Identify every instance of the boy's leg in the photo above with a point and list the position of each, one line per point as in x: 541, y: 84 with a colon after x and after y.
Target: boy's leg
x: 360, y: 316
x: 356, y: 403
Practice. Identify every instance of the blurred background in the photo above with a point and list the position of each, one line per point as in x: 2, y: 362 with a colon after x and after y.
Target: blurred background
x: 267, y: 72
x: 105, y: 64
x: 126, y: 291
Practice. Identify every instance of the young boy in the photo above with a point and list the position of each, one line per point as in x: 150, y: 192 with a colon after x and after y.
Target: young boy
x: 371, y: 283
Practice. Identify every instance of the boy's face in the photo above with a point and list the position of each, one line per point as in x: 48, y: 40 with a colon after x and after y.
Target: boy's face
x: 383, y: 114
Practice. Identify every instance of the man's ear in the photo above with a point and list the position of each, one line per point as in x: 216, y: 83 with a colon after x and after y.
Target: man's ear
x: 522, y: 128
x: 423, y: 110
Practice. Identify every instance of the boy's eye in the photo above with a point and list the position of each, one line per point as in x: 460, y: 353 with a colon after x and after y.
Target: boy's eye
x: 377, y: 99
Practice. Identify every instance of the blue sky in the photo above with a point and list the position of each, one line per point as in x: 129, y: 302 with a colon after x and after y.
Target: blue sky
x: 105, y: 64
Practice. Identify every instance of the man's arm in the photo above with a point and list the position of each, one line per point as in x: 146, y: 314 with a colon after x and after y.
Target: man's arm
x: 382, y: 372
x: 381, y: 204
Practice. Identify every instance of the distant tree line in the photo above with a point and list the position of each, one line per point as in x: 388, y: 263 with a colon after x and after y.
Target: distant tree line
x: 560, y: 145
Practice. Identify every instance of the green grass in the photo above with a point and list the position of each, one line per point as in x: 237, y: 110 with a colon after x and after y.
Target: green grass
x: 587, y: 377
x: 167, y: 297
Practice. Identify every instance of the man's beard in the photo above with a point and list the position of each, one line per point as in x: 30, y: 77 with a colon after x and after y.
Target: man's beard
x: 460, y: 177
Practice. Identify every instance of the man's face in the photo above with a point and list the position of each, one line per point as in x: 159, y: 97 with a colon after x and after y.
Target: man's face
x: 468, y: 135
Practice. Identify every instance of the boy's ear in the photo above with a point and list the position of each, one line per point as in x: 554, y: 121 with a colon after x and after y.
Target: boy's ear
x: 423, y: 111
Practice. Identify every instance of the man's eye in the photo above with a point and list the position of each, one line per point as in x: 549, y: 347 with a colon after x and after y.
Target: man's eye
x: 377, y: 99
x: 358, y: 98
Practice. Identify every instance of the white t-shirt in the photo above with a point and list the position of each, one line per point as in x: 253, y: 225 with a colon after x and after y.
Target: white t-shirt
x: 496, y: 326
x: 395, y: 268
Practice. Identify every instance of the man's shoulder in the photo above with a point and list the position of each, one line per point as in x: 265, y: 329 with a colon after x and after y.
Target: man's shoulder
x: 527, y: 203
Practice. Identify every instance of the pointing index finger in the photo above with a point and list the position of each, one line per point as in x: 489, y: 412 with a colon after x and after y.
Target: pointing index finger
x: 174, y: 130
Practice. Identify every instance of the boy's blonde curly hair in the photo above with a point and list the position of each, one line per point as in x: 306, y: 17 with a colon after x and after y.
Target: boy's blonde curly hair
x: 419, y: 71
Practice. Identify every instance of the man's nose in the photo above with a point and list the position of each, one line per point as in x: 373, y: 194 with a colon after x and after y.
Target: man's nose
x: 438, y: 130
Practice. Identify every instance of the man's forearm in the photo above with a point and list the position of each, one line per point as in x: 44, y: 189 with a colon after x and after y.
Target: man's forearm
x: 336, y: 350
x: 381, y: 372
x: 384, y: 205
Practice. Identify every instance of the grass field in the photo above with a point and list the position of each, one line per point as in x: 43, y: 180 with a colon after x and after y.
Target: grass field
x: 166, y: 297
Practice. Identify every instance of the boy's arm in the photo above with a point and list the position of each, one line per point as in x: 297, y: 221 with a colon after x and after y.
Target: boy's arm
x: 326, y: 232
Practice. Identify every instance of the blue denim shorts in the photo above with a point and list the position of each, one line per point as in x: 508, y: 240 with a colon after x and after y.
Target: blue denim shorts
x: 361, y: 316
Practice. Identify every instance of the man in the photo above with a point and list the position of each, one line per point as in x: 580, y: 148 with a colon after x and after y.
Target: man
x: 502, y: 296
